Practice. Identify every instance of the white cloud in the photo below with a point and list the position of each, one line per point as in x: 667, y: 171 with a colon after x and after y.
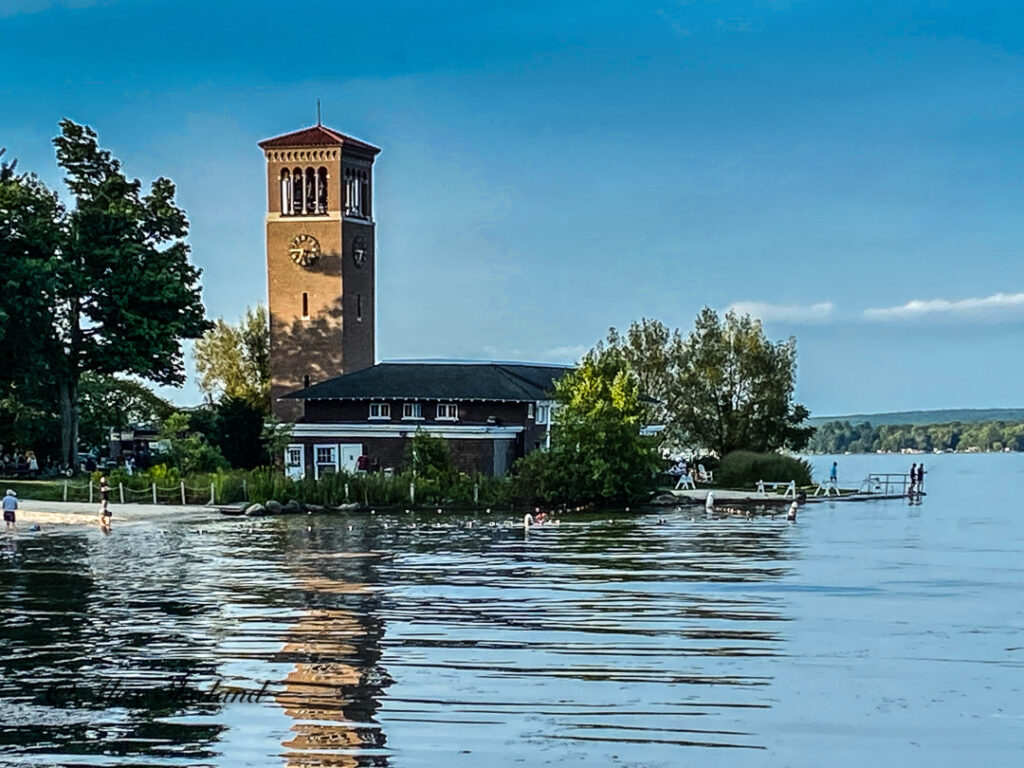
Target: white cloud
x: 788, y: 313
x: 997, y: 308
x: 18, y: 7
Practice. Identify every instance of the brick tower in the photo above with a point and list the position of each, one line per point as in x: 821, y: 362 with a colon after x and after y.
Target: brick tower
x: 320, y: 260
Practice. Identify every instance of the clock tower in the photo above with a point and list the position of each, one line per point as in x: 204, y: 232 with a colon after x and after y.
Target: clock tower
x: 321, y: 260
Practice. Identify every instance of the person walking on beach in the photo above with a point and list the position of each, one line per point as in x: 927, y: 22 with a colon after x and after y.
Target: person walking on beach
x: 10, y: 505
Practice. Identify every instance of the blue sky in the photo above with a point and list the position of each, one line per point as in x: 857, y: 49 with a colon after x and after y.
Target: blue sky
x: 851, y: 172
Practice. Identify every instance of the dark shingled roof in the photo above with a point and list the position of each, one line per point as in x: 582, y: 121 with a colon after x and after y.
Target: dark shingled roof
x: 317, y: 136
x: 439, y: 381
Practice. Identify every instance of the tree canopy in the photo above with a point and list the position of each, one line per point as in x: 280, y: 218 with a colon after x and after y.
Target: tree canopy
x: 107, y: 284
x: 734, y: 389
x: 233, y: 360
x: 597, y: 450
x: 723, y: 387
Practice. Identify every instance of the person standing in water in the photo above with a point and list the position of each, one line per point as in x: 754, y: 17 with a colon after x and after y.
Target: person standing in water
x: 104, y: 502
x: 10, y: 505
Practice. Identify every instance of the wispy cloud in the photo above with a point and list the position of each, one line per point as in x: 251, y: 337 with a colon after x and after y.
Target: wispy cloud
x: 17, y: 7
x: 788, y: 313
x: 997, y: 308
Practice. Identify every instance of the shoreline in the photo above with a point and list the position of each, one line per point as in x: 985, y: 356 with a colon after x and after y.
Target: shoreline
x: 71, y: 514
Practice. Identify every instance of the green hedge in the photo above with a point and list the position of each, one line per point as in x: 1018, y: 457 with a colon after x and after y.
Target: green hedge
x: 742, y: 469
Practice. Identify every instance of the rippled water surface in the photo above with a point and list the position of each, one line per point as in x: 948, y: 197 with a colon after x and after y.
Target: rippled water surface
x: 878, y: 631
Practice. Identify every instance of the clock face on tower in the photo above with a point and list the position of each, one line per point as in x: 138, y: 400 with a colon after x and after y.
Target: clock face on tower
x: 304, y: 249
x: 359, y: 250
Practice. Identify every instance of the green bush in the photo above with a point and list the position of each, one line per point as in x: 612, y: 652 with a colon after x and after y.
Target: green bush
x: 742, y: 469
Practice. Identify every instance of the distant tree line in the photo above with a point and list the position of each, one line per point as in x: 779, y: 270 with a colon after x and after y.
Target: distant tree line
x: 842, y: 436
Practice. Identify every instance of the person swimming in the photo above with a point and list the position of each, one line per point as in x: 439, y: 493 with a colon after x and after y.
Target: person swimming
x: 791, y: 516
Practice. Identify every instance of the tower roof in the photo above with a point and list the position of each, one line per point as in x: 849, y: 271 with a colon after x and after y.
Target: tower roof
x: 317, y: 136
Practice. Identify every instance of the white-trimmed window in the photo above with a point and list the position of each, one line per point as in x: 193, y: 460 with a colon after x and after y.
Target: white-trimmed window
x: 447, y: 412
x: 295, y: 461
x: 326, y: 457
x: 529, y: 410
x: 380, y: 410
x: 412, y: 411
x: 543, y: 413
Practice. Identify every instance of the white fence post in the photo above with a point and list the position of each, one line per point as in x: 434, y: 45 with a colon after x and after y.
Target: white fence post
x: 90, y: 491
x: 65, y: 490
x: 476, y: 493
x: 154, y: 493
x: 213, y: 494
x: 182, y: 493
x: 412, y: 493
x: 120, y: 488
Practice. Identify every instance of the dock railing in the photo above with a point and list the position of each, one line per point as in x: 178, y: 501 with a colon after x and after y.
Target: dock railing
x: 789, y: 485
x: 887, y: 484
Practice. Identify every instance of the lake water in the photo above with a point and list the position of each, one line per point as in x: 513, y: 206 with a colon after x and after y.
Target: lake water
x: 880, y: 633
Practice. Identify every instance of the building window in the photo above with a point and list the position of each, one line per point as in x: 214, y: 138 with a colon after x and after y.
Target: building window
x: 305, y: 381
x: 529, y: 410
x: 286, y: 192
x: 297, y: 189
x: 326, y: 459
x: 357, y: 193
x: 447, y: 412
x: 305, y: 305
x: 359, y: 307
x: 295, y: 461
x: 380, y: 410
x: 310, y: 192
x: 412, y: 411
x: 321, y: 191
x: 543, y: 413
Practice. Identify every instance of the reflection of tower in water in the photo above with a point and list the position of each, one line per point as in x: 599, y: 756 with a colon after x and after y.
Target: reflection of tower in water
x: 333, y: 690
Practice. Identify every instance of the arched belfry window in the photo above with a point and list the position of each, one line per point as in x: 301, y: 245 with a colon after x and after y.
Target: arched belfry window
x: 321, y: 192
x: 357, y: 193
x: 297, y: 189
x: 286, y: 191
x: 310, y: 192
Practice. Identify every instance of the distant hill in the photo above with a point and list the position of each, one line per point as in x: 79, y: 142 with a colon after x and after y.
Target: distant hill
x: 964, y: 415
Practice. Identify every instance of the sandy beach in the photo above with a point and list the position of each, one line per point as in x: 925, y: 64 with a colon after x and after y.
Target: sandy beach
x: 53, y: 514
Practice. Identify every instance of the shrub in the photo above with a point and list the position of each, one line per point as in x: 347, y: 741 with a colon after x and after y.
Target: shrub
x: 744, y: 468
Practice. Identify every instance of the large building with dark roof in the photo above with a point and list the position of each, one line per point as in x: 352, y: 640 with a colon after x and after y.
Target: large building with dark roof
x: 349, y: 413
x: 490, y: 414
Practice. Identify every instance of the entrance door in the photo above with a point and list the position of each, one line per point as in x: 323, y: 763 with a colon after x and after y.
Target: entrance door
x: 295, y: 461
x: 350, y: 453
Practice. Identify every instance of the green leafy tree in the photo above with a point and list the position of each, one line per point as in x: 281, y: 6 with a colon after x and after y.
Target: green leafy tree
x: 734, y: 390
x: 235, y: 428
x: 111, y: 402
x: 31, y: 236
x: 654, y: 354
x: 113, y: 273
x: 185, y: 449
x: 597, y: 451
x: 233, y: 361
x: 429, y: 456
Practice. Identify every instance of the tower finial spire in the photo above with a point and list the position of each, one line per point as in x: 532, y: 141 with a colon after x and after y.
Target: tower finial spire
x: 318, y: 112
